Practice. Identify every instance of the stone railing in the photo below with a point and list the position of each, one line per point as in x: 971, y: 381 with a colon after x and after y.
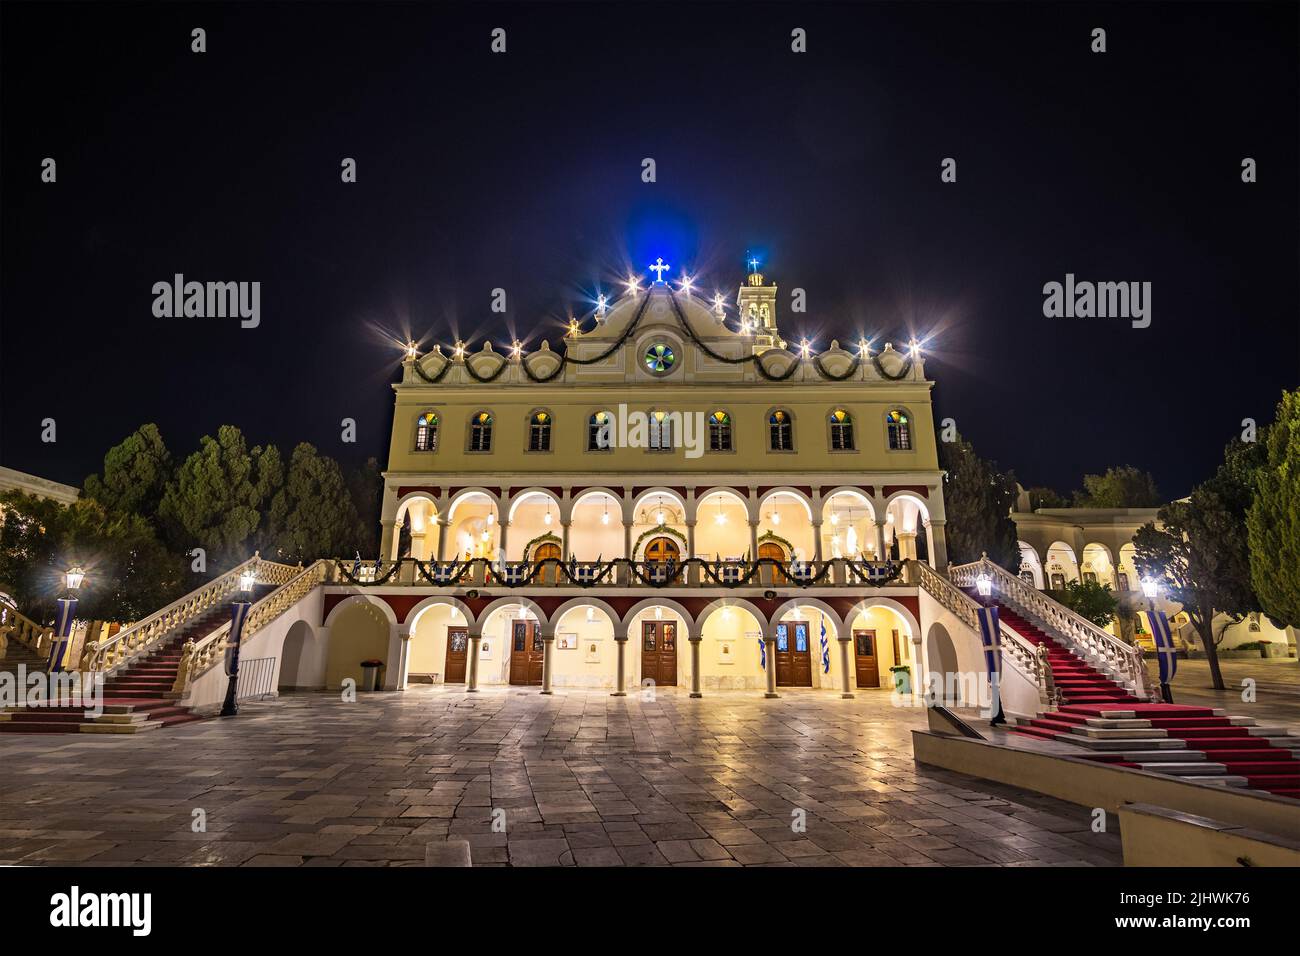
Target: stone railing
x: 1016, y: 651
x: 23, y: 630
x: 143, y: 636
x: 1103, y: 650
x: 197, y: 657
x: 617, y: 572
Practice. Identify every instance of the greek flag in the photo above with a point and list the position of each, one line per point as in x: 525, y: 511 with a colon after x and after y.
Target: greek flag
x: 1166, y: 653
x: 356, y: 566
x: 762, y: 652
x: 991, y: 637
x: 826, y: 649
x: 66, y: 608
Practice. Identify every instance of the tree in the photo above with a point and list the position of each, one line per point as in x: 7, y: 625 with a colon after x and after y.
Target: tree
x: 1203, y: 550
x: 130, y: 574
x: 135, y: 474
x: 1122, y: 487
x: 319, y: 518
x: 1091, y: 601
x: 978, y: 499
x: 1040, y: 497
x: 366, y: 485
x: 216, y: 498
x: 1273, y: 521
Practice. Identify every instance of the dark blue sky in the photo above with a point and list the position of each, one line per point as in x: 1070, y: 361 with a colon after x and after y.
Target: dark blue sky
x: 522, y: 171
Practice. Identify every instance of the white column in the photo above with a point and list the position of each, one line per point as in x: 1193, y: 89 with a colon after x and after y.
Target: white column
x: 475, y: 638
x: 817, y: 540
x: 620, y: 645
x: 564, y: 541
x: 695, y: 641
x: 692, y: 572
x: 769, y: 641
x: 443, y: 527
x: 548, y: 659
x: 753, y: 541
x: 845, y: 683
x: 501, y: 540
x: 880, y: 541
x: 938, y: 543
x: 388, y: 540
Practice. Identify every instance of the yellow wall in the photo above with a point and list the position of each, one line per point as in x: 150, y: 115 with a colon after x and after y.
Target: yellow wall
x: 428, y: 647
x: 571, y: 405
x: 359, y: 632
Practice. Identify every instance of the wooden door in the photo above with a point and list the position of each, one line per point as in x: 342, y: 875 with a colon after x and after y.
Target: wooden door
x: 793, y: 659
x: 526, y: 652
x: 864, y: 652
x: 457, y: 651
x: 550, y: 573
x: 771, y: 574
x: 660, y: 550
x: 659, y: 652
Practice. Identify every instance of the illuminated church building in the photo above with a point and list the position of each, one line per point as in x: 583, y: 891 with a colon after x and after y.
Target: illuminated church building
x: 670, y: 495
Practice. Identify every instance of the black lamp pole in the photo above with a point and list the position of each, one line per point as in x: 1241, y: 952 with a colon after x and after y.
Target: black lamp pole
x: 238, y: 614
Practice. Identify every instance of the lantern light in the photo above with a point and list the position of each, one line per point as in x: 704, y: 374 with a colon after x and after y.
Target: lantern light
x: 1150, y: 588
x: 246, y: 580
x: 74, y: 576
x: 805, y: 347
x: 984, y: 584
x: 412, y: 353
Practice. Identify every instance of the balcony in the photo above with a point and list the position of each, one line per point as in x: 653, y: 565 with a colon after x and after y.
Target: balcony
x: 618, y: 573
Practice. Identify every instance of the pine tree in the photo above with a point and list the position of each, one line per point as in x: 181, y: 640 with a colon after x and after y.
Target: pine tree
x: 215, y: 499
x: 135, y: 474
x: 978, y: 500
x: 1274, y: 519
x: 1122, y: 487
x: 319, y: 518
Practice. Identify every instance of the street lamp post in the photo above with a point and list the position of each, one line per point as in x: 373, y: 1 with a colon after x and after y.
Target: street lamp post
x: 992, y: 644
x: 66, y: 612
x: 1163, y: 639
x: 238, y: 613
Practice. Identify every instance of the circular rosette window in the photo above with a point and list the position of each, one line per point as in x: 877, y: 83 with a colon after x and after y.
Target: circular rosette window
x: 660, y: 359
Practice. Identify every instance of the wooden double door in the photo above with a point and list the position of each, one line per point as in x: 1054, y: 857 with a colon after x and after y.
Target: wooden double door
x: 793, y: 656
x: 771, y: 574
x: 527, y: 651
x: 659, y: 652
x: 457, y: 655
x: 864, y: 656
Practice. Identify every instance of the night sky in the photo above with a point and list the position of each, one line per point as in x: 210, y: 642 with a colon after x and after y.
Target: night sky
x: 522, y: 171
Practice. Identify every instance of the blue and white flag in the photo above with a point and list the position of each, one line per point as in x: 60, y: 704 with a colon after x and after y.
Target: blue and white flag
x: 762, y: 652
x: 1166, y: 653
x: 67, y: 608
x: 991, y: 637
x: 826, y: 649
x: 356, y: 566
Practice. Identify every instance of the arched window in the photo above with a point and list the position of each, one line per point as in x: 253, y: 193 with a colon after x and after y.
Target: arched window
x: 661, y: 431
x: 719, y: 431
x: 780, y: 431
x: 841, y: 430
x: 539, y: 431
x: 426, y: 432
x: 480, y: 432
x: 900, y: 430
x: 600, y: 432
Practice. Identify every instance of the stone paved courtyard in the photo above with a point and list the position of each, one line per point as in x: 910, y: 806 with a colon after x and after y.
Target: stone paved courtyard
x: 584, y: 779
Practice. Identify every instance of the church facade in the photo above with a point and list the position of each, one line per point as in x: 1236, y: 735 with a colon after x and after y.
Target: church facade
x: 673, y: 495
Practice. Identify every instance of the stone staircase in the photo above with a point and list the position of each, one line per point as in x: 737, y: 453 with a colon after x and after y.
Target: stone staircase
x: 136, y: 699
x: 1198, y: 742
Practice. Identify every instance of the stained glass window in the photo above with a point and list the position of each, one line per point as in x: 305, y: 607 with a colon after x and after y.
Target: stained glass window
x: 780, y: 431
x: 841, y: 430
x: 900, y: 430
x: 426, y: 432
x: 480, y: 432
x: 719, y: 431
x: 539, y: 432
x: 659, y: 358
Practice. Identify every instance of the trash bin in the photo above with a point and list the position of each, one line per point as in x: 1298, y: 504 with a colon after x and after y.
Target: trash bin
x: 370, y: 674
x: 902, y: 679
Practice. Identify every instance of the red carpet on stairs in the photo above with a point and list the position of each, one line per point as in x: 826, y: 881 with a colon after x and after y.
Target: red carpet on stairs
x: 143, y: 687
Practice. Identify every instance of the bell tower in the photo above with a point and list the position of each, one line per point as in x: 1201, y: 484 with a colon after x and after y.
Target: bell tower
x: 756, y: 302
